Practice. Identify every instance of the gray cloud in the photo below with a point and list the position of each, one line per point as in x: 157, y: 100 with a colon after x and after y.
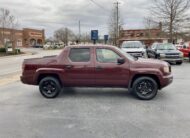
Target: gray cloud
x: 53, y: 14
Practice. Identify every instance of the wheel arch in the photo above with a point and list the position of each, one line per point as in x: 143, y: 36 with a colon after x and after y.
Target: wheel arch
x: 44, y: 75
x: 153, y: 76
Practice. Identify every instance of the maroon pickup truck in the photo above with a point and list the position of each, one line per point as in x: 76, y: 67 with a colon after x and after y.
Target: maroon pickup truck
x: 96, y: 66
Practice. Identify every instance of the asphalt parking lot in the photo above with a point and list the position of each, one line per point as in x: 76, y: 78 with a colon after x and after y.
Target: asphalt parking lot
x: 97, y: 112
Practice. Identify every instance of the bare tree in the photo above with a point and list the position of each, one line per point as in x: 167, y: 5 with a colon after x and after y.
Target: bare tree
x: 4, y: 18
x: 64, y: 34
x: 115, y: 24
x: 85, y: 38
x: 172, y: 14
x: 149, y: 23
x: 7, y: 21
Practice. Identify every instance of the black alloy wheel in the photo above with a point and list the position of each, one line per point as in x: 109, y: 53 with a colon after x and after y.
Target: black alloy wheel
x: 145, y: 88
x: 49, y: 87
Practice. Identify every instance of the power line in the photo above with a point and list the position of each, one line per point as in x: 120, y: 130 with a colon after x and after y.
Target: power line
x: 100, y: 6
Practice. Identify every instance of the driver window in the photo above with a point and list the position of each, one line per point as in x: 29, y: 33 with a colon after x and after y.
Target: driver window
x: 106, y: 56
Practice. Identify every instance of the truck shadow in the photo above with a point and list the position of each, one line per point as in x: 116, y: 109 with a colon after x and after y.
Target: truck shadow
x: 96, y: 92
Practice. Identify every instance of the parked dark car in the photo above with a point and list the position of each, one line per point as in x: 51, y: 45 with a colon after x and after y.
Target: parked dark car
x: 96, y: 66
x: 37, y: 46
x: 166, y: 52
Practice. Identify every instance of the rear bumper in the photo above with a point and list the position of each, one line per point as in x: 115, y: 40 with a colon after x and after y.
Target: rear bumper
x: 166, y: 80
x: 27, y: 80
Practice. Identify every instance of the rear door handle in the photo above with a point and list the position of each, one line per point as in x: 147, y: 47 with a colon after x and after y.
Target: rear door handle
x: 68, y: 66
x: 98, y: 68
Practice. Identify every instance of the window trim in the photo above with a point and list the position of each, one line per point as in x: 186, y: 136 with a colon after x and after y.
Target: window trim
x: 106, y: 49
x: 80, y: 61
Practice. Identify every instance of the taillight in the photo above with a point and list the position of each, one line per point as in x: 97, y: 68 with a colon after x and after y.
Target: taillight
x: 23, y: 66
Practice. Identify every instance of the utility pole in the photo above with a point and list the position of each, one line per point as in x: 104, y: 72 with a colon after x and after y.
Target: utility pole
x: 79, y: 32
x: 117, y: 21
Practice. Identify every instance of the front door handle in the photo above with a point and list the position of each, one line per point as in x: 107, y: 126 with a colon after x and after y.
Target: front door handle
x: 98, y: 68
x: 68, y: 66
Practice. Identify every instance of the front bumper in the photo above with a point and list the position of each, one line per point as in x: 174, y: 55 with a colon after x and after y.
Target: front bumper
x: 166, y: 80
x: 172, y: 60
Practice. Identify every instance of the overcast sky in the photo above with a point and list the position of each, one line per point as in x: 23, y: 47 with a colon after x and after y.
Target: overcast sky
x: 54, y: 14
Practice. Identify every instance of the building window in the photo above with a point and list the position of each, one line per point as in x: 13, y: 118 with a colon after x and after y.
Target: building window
x: 19, y: 43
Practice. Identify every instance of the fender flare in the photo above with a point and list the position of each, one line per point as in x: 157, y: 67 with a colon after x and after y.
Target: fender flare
x: 55, y: 71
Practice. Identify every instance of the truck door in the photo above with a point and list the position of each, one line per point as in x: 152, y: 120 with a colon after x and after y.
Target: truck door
x: 79, y: 67
x: 107, y: 71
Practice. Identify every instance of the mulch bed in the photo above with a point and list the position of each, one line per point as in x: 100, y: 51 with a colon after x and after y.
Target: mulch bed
x: 3, y: 54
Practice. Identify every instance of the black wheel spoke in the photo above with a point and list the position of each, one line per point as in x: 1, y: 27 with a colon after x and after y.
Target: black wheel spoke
x: 145, y: 87
x: 48, y: 87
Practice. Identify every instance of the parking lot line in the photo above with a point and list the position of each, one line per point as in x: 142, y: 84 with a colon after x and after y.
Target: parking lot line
x: 9, y: 79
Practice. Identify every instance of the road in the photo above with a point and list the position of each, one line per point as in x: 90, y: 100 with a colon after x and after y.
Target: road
x: 11, y: 65
x: 96, y: 112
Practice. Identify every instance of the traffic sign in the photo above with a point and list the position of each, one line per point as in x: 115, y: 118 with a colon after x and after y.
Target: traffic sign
x: 94, y: 35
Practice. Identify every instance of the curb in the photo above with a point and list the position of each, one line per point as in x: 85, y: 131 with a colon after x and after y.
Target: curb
x: 25, y: 54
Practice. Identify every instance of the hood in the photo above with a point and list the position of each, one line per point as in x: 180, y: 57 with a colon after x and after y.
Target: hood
x: 149, y: 63
x: 133, y: 49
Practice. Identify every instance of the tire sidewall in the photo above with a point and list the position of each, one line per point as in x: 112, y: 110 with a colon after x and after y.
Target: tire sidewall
x: 58, y: 87
x: 140, y: 79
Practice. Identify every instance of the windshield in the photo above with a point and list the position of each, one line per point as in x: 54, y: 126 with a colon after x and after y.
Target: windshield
x: 128, y: 56
x: 132, y: 45
x: 166, y: 47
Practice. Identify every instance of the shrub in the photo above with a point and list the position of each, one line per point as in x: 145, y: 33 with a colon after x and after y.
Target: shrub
x: 17, y: 51
x: 2, y: 49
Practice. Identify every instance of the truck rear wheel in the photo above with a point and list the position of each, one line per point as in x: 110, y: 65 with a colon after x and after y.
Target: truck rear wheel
x: 145, y: 88
x: 179, y: 62
x: 49, y: 87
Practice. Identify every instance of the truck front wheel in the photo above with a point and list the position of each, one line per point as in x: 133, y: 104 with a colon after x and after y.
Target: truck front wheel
x: 49, y: 87
x: 145, y: 88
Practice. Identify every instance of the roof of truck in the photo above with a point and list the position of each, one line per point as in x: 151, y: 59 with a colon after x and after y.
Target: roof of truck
x: 90, y: 45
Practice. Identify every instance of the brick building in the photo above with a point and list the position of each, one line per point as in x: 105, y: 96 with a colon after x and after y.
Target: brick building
x: 146, y: 36
x: 22, y: 38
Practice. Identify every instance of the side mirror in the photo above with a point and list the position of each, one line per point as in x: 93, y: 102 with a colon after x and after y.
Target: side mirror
x: 121, y: 61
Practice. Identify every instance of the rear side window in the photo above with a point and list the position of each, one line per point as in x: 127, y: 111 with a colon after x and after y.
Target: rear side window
x: 79, y: 54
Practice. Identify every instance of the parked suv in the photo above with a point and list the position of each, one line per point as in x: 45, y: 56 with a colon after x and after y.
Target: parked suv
x: 134, y: 48
x: 167, y: 52
x: 96, y: 66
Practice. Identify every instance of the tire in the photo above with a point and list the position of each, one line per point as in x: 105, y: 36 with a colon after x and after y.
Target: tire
x: 149, y: 91
x: 179, y: 62
x: 49, y: 87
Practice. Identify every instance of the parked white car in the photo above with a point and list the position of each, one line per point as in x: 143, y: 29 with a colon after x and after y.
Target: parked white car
x: 47, y: 46
x: 134, y: 48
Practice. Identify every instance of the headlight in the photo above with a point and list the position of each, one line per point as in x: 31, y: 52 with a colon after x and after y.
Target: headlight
x: 181, y: 54
x: 162, y: 55
x: 166, y: 69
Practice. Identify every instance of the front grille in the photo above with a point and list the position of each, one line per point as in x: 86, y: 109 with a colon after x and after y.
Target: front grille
x: 172, y: 54
x: 136, y: 54
x: 172, y: 57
